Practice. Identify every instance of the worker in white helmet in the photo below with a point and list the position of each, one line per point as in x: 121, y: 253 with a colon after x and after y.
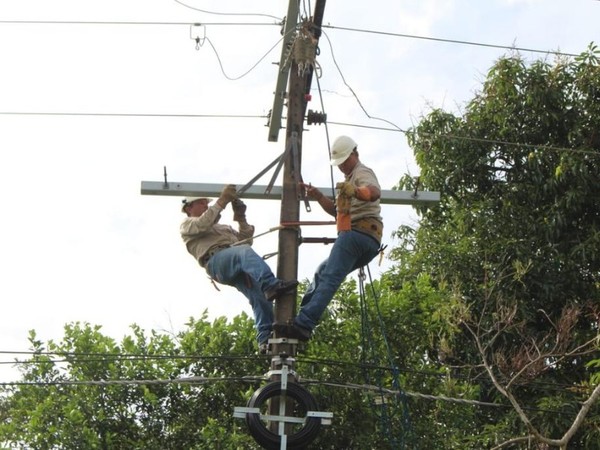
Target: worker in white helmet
x: 359, y: 225
x: 215, y: 247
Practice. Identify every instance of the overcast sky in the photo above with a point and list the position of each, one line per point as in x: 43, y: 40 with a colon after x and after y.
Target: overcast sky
x: 96, y: 97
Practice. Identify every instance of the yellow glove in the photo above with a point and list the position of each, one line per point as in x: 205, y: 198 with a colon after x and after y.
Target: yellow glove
x: 227, y: 195
x: 345, y: 188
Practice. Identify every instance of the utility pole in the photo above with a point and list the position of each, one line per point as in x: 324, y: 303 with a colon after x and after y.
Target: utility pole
x: 300, y: 77
x: 282, y: 390
x: 289, y: 238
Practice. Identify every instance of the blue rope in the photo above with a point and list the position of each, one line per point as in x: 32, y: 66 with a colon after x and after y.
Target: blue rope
x: 367, y: 341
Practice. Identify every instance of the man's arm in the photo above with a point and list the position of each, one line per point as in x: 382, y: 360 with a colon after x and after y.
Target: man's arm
x: 325, y: 202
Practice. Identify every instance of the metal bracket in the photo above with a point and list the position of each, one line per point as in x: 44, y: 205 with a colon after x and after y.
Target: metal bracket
x: 248, y: 185
x: 296, y: 173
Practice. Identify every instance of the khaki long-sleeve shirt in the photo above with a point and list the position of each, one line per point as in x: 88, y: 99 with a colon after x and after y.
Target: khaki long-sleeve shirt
x: 202, y: 233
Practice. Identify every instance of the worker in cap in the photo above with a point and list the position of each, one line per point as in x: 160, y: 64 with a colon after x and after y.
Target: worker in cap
x: 359, y: 225
x: 228, y: 258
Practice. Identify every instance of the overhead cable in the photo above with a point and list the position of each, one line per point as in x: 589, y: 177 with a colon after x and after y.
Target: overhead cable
x: 332, y: 27
x: 239, y: 116
x: 205, y: 116
x: 451, y: 41
x: 204, y: 380
x: 79, y: 22
x: 225, y: 13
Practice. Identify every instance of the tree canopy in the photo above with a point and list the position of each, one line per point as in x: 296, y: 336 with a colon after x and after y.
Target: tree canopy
x: 515, y: 239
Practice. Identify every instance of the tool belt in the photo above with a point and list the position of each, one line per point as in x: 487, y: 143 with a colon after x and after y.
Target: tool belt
x: 369, y: 225
x: 210, y: 253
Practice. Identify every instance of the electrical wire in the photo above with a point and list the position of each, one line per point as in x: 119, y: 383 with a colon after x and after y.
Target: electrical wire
x: 198, y: 380
x: 333, y: 27
x: 226, y: 14
x: 255, y: 65
x: 96, y: 22
x: 332, y: 180
x: 352, y: 90
x: 454, y: 41
x: 249, y: 70
x: 248, y: 116
x: 368, y: 345
x: 450, y: 136
x: 98, y: 357
x: 540, y: 147
x: 203, y: 116
x: 450, y: 41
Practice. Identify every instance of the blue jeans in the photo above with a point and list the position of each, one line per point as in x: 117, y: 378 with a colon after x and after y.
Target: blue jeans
x: 242, y: 268
x: 350, y: 251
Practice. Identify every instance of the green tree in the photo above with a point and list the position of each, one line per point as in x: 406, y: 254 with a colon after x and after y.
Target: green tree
x: 87, y: 391
x: 515, y: 241
x: 179, y: 392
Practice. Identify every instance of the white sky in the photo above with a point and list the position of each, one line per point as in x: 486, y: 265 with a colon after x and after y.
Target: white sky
x: 78, y: 242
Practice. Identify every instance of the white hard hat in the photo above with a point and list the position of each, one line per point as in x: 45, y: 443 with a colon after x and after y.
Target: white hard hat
x: 189, y: 200
x: 341, y: 149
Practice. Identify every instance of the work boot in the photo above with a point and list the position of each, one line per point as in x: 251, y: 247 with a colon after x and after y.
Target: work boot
x: 282, y: 287
x: 293, y: 331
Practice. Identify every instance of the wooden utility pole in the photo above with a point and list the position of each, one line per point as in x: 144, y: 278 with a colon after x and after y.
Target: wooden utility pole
x: 289, y: 238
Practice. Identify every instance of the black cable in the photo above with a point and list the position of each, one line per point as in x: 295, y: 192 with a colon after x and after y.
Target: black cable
x: 226, y: 14
x: 327, y: 138
x: 333, y: 27
x: 352, y: 90
x: 249, y: 70
x: 451, y: 41
x: 100, y: 22
x: 203, y: 116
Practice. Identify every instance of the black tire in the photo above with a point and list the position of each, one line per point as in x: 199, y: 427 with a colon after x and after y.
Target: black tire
x: 266, y: 437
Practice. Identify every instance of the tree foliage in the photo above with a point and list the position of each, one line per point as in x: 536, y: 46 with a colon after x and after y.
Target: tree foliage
x: 516, y: 235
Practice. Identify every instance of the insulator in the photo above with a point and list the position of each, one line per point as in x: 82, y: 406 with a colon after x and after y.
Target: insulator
x: 304, y: 50
x: 313, y: 117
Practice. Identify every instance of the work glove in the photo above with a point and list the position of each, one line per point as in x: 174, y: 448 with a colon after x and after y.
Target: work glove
x: 227, y: 195
x: 343, y: 219
x: 239, y: 210
x: 345, y: 189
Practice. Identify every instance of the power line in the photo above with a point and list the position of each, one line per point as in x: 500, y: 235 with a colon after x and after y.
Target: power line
x: 352, y: 90
x: 249, y: 70
x: 225, y: 14
x: 95, y: 357
x: 450, y: 136
x: 332, y: 27
x: 248, y: 116
x: 182, y: 380
x: 450, y: 41
x: 203, y: 116
x: 93, y: 22
x: 195, y: 380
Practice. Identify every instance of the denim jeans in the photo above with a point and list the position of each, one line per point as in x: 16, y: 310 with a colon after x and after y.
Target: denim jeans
x: 242, y: 268
x: 350, y: 251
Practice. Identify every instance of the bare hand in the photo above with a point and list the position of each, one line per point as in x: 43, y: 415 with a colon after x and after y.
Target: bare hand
x: 311, y: 191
